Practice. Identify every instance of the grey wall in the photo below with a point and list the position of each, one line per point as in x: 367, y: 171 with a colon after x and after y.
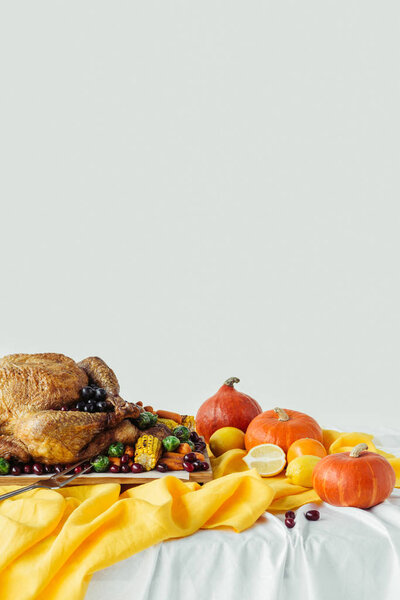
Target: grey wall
x: 194, y: 190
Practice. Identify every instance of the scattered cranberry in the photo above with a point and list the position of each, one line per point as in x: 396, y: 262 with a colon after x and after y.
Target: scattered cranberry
x: 78, y: 469
x: 188, y: 466
x: 290, y: 522
x: 125, y: 458
x: 87, y: 465
x: 312, y: 515
x: 197, y: 465
x: 125, y: 469
x: 58, y: 468
x: 37, y: 469
x: 15, y: 470
x: 64, y: 408
x: 162, y: 467
x: 137, y: 468
x: 194, y: 437
x: 27, y: 469
x: 204, y: 465
x: 114, y: 469
x: 290, y: 514
x: 48, y: 468
x: 190, y: 457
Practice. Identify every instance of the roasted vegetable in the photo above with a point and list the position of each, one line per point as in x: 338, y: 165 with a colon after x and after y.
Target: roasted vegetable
x: 115, y: 460
x: 189, y: 422
x: 129, y: 450
x: 100, y: 463
x: 171, y: 442
x: 184, y: 448
x: 167, y: 414
x: 168, y: 422
x: 148, y: 451
x: 191, y: 444
x: 116, y: 449
x: 4, y: 466
x: 173, y: 464
x: 146, y: 420
x: 182, y: 432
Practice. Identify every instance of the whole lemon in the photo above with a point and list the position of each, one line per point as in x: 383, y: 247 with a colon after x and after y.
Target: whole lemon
x: 226, y: 438
x: 300, y: 470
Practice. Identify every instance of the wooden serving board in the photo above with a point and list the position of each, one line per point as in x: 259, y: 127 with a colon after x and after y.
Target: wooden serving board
x: 127, y: 479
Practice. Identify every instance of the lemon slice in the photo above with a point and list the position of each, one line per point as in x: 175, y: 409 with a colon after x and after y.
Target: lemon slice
x: 266, y: 459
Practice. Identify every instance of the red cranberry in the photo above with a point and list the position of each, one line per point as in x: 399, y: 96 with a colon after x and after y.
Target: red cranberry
x: 37, y: 469
x: 64, y: 408
x: 78, y: 469
x: 289, y: 514
x: 190, y: 457
x: 290, y: 522
x: 188, y: 466
x: 114, y: 469
x: 137, y: 468
x: 58, y: 468
x: 125, y: 469
x: 15, y: 470
x: 162, y: 467
x: 48, y: 468
x: 197, y: 465
x: 125, y: 458
x: 312, y: 515
x: 204, y: 465
x: 28, y: 469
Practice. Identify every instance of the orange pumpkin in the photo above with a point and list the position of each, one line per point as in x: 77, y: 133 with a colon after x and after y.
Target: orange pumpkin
x: 281, y: 427
x: 227, y: 408
x: 357, y: 478
x: 305, y: 446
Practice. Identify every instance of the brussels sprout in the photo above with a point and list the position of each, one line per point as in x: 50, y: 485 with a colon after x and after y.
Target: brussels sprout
x: 4, y: 466
x: 100, y: 463
x: 182, y: 432
x: 171, y: 442
x: 146, y: 420
x: 116, y: 449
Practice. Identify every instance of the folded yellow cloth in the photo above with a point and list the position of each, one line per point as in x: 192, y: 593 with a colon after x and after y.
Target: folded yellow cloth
x: 53, y: 541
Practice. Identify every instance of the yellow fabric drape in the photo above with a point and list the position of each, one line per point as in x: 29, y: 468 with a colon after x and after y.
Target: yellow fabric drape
x: 52, y: 541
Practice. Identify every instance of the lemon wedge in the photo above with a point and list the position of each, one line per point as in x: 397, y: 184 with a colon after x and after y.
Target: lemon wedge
x: 266, y: 459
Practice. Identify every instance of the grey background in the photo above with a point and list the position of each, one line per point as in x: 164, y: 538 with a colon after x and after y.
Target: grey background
x: 199, y: 190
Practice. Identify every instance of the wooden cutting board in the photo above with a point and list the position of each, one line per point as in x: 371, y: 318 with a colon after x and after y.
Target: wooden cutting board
x: 127, y: 479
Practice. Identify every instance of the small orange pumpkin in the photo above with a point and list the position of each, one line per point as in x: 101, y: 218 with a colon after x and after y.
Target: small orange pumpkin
x: 281, y: 427
x: 227, y: 408
x: 357, y: 478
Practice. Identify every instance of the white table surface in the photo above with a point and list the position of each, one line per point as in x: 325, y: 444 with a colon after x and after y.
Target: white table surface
x: 348, y: 554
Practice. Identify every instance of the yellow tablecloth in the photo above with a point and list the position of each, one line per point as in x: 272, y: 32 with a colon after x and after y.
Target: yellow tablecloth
x: 52, y: 541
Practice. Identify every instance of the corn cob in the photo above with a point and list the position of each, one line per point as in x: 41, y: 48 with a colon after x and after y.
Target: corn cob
x: 147, y: 451
x: 189, y: 422
x: 170, y: 423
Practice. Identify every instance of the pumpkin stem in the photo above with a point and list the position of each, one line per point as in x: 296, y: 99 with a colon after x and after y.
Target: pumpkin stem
x: 355, y: 453
x: 282, y: 415
x: 231, y: 381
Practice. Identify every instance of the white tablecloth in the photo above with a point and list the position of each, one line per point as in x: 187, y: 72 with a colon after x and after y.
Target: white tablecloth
x: 348, y: 554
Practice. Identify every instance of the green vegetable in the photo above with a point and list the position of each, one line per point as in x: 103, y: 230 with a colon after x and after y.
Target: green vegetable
x: 146, y: 420
x: 4, y: 466
x: 182, y: 432
x: 171, y: 442
x: 116, y: 449
x: 191, y: 444
x: 100, y: 463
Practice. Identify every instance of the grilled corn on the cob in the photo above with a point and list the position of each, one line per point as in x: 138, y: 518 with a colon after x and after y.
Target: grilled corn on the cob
x: 189, y: 422
x: 147, y: 451
x: 170, y: 423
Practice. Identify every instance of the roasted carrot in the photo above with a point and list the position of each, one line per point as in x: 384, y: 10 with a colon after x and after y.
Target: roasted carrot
x: 130, y: 450
x: 174, y: 455
x: 199, y: 456
x: 173, y: 464
x: 115, y: 460
x: 149, y: 409
x: 167, y: 414
x: 183, y: 448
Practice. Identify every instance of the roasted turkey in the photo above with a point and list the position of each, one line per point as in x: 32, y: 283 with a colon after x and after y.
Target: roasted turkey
x: 33, y: 388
